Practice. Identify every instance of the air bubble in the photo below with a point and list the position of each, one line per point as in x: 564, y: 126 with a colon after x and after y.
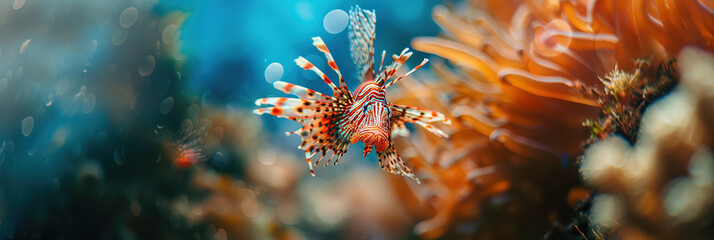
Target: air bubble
x: 128, y: 17
x: 166, y: 105
x: 18, y: 4
x: 24, y: 45
x: 119, y: 37
x: 335, y: 21
x: 119, y: 156
x: 273, y: 72
x: 147, y: 66
x: 28, y: 124
x: 169, y: 34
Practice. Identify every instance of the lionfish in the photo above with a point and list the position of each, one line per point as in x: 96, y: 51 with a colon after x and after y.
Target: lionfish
x: 330, y: 124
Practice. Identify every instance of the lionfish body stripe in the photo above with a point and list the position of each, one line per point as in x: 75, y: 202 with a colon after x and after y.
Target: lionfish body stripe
x: 332, y: 123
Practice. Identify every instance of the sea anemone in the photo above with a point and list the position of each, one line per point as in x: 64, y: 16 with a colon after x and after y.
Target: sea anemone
x: 523, y: 80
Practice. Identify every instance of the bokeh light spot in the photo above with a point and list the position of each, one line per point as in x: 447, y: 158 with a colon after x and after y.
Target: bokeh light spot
x: 119, y: 36
x: 169, y: 34
x: 147, y: 66
x: 128, y: 17
x: 335, y: 21
x: 28, y: 124
x: 18, y: 4
x: 273, y: 72
x: 24, y: 46
x: 166, y: 105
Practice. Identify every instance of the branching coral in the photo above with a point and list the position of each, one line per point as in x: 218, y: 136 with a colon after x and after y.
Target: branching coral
x: 662, y: 187
x: 517, y: 96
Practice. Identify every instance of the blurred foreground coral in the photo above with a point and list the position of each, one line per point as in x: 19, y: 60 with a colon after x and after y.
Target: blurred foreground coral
x: 663, y: 186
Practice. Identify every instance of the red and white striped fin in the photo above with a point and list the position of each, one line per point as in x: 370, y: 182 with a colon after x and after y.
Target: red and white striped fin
x: 381, y: 63
x: 402, y: 114
x: 295, y: 112
x: 389, y: 160
x: 284, y: 102
x: 432, y: 129
x: 398, y: 61
x: 320, y: 45
x: 361, y: 35
x: 309, y: 155
x: 407, y: 74
x: 307, y: 65
x: 412, y: 114
x: 301, y: 92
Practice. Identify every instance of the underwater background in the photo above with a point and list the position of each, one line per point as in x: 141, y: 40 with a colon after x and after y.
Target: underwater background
x: 575, y: 119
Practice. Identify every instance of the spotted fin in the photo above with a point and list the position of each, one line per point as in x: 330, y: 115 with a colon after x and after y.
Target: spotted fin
x: 402, y: 114
x: 390, y: 161
x: 294, y: 108
x: 412, y: 114
x: 361, y: 35
x: 300, y: 91
x: 324, y: 128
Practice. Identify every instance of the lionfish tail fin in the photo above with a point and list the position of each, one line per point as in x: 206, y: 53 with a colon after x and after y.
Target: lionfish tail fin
x: 390, y: 161
x: 361, y: 35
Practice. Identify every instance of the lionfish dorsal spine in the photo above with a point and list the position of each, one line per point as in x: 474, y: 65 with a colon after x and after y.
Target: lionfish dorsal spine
x: 361, y: 33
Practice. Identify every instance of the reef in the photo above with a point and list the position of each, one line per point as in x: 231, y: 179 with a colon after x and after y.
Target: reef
x: 521, y: 78
x: 662, y: 187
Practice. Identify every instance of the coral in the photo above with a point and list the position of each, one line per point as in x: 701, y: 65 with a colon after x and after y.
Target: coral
x: 625, y: 97
x: 663, y: 186
x: 523, y: 76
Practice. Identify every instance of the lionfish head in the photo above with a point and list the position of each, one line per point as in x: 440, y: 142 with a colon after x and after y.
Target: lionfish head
x: 374, y: 127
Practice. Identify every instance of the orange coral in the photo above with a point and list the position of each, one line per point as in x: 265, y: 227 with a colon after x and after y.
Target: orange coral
x: 517, y: 97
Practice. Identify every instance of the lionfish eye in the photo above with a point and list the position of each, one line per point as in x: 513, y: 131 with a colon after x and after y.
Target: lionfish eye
x: 365, y: 108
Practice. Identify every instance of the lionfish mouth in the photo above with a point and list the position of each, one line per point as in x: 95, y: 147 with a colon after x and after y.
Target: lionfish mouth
x: 372, y: 136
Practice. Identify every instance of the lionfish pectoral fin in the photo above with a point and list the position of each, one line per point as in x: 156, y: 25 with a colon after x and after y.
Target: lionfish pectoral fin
x: 432, y: 129
x: 300, y: 91
x: 390, y: 161
x: 399, y: 129
x: 322, y: 47
x: 308, y: 155
x: 402, y: 114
